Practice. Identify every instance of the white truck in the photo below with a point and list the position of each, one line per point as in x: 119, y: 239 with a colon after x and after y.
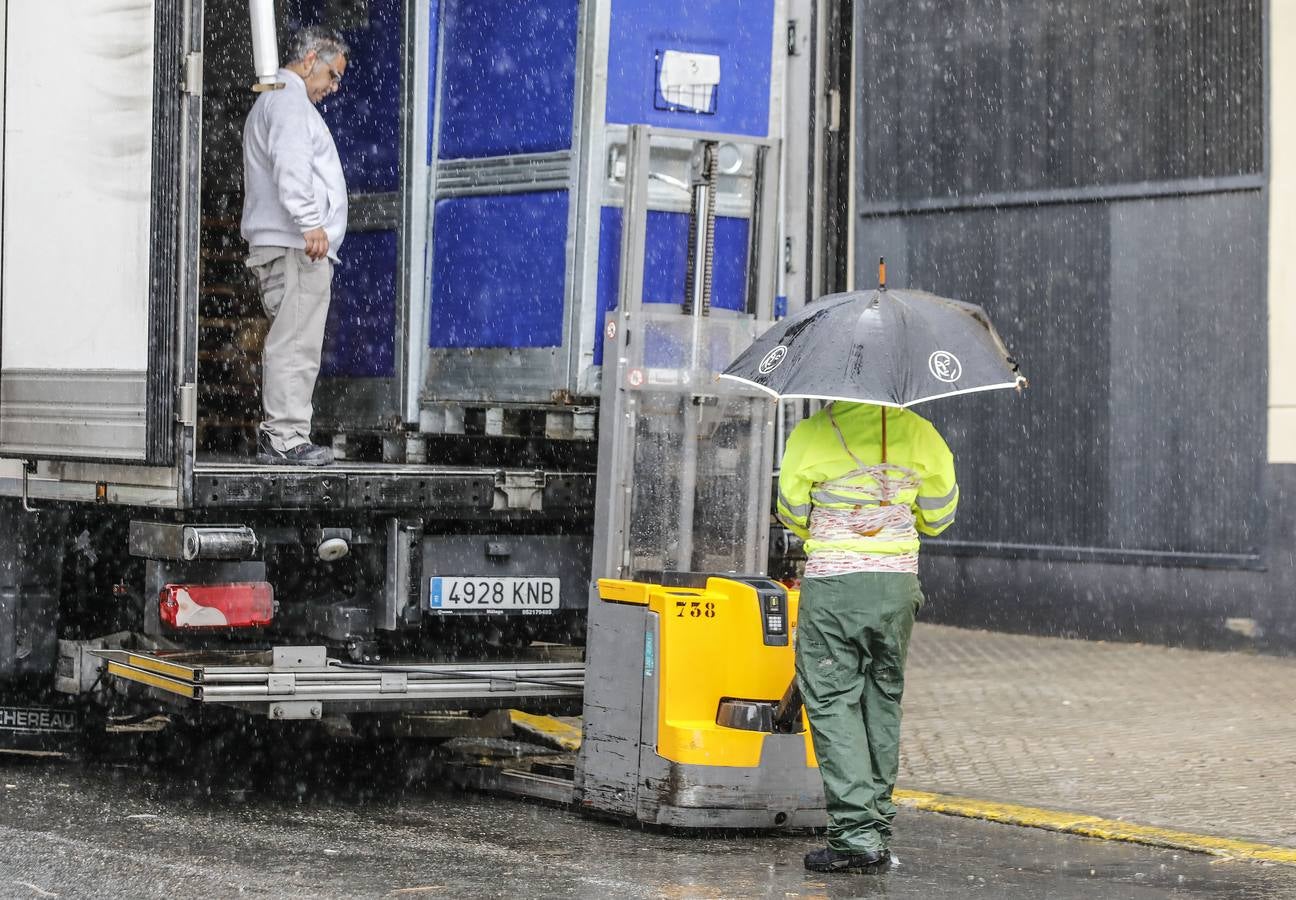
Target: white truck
x: 143, y: 550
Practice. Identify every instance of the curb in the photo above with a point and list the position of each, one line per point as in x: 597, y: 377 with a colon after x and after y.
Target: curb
x: 562, y: 735
x: 1093, y: 827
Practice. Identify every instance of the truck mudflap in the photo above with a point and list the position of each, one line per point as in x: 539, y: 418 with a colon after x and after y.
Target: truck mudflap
x: 304, y: 683
x: 30, y: 725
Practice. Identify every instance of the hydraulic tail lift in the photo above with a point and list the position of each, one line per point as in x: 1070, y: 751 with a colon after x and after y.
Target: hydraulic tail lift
x: 684, y: 672
x: 297, y: 682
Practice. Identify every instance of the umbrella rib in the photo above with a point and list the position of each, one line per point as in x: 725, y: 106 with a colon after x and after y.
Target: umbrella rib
x: 1007, y: 385
x: 1004, y: 386
x: 773, y: 393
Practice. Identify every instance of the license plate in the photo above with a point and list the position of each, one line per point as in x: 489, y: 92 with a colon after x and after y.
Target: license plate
x: 488, y: 595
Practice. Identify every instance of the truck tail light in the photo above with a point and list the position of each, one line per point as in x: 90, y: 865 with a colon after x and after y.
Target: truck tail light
x: 246, y: 604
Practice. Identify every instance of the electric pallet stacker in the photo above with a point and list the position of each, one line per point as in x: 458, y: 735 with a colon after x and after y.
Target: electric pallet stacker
x: 685, y: 672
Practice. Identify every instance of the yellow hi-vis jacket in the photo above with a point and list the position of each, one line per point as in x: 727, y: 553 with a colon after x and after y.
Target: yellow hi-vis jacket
x: 826, y: 466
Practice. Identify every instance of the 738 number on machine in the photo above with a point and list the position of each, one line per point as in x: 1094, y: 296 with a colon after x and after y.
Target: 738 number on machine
x: 485, y: 595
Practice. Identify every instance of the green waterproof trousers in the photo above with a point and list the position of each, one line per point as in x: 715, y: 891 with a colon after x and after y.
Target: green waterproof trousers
x: 852, y: 638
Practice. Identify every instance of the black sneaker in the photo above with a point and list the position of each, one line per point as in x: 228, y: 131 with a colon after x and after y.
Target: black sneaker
x: 307, y: 454
x: 829, y: 860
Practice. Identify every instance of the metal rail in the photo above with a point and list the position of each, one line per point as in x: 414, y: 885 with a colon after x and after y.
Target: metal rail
x: 296, y: 682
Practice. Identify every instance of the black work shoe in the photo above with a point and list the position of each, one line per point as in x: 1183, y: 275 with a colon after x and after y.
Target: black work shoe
x: 307, y: 454
x: 830, y: 860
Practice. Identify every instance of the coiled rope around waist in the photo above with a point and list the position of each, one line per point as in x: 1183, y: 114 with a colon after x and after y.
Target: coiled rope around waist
x: 885, y: 524
x: 875, y: 517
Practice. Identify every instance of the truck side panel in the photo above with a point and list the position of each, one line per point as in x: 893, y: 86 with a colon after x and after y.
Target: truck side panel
x: 78, y: 216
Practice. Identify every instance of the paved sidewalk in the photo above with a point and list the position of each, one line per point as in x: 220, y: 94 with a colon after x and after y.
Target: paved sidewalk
x: 1197, y: 741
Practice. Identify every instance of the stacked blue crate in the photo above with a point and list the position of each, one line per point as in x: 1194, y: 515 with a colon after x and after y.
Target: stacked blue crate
x: 507, y: 88
x: 738, y: 32
x: 365, y: 120
x: 666, y: 262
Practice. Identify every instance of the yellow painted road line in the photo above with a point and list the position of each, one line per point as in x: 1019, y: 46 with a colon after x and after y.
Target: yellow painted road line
x: 1093, y: 826
x: 548, y: 730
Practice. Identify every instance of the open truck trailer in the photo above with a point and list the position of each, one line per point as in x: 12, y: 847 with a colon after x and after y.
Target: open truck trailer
x: 565, y: 217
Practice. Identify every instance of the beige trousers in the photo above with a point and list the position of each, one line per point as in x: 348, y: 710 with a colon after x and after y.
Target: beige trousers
x: 295, y: 293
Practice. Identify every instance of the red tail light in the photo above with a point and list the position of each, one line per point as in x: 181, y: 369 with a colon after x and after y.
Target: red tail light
x: 247, y: 604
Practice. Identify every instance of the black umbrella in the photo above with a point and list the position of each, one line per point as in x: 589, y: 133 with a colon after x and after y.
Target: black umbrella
x: 891, y: 348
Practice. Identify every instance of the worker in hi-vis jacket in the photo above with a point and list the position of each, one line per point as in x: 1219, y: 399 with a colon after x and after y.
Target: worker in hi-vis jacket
x: 294, y: 220
x: 859, y: 483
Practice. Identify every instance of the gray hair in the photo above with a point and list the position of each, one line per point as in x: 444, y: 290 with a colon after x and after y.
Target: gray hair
x: 326, y: 43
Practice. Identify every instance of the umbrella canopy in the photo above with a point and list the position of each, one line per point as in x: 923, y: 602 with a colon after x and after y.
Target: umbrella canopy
x: 890, y: 348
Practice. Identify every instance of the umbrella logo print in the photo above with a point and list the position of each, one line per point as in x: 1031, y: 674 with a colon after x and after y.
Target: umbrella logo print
x: 772, y: 360
x: 945, y: 366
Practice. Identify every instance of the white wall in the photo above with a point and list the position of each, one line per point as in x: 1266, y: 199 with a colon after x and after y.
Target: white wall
x: 77, y: 141
x: 1282, y: 234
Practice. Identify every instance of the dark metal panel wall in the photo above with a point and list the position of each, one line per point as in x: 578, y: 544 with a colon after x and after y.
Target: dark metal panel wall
x: 1091, y: 172
x: 1027, y: 465
x: 1188, y: 373
x: 961, y: 97
x: 1141, y: 325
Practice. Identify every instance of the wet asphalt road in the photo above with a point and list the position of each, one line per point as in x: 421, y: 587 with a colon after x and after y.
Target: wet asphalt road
x: 368, y: 822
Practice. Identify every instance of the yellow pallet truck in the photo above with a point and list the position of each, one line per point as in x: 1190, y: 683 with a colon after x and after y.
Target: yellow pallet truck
x: 683, y: 726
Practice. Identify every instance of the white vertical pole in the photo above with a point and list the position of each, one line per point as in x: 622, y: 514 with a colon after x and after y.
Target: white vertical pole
x: 265, y: 42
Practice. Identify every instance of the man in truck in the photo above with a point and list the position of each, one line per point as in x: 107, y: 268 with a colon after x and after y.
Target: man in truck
x: 294, y: 220
x: 859, y: 483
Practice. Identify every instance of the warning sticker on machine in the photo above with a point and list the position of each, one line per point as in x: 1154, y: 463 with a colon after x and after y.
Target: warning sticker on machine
x: 34, y: 719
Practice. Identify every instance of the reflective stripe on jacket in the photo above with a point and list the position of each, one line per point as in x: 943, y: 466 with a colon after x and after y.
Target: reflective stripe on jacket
x: 818, y: 471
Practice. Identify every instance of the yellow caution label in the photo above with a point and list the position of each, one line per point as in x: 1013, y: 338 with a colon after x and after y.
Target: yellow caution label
x: 162, y: 667
x: 158, y: 681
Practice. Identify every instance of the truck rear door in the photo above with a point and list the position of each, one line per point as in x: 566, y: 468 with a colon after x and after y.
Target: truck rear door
x: 92, y: 265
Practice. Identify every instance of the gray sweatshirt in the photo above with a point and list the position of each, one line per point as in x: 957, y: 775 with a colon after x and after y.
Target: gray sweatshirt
x: 292, y: 177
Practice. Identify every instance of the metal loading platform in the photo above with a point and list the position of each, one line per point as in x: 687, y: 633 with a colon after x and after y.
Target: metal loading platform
x: 303, y: 683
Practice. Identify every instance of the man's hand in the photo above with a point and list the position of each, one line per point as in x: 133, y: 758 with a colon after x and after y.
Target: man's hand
x: 316, y: 243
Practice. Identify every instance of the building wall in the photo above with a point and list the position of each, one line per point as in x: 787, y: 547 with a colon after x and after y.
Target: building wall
x: 1095, y: 175
x: 1282, y: 235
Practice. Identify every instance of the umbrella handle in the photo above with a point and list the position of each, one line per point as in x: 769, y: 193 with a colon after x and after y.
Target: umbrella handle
x: 787, y: 714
